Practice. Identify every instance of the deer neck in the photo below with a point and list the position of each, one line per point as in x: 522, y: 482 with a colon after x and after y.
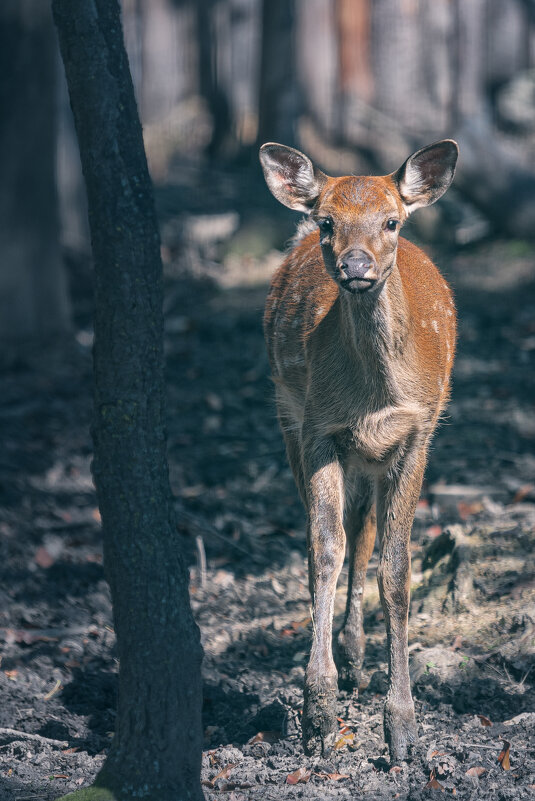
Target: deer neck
x: 375, y: 329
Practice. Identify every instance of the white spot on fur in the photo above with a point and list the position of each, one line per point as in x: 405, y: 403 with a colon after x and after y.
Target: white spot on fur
x: 435, y: 326
x: 320, y: 311
x: 424, y: 324
x: 450, y: 313
x: 297, y: 297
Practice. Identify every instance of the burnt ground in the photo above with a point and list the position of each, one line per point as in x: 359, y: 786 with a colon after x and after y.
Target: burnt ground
x: 472, y: 627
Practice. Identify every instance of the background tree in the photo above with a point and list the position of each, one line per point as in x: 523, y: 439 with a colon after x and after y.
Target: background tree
x: 156, y: 751
x: 33, y: 290
x: 278, y: 103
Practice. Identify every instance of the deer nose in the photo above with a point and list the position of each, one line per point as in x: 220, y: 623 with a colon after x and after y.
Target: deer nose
x: 358, y: 266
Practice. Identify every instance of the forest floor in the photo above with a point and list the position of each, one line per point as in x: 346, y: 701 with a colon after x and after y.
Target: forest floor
x: 472, y: 623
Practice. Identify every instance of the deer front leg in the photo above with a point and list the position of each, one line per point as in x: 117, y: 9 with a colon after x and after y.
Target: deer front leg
x: 397, y: 497
x: 326, y: 548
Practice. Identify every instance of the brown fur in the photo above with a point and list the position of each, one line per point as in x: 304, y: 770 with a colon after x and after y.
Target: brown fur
x: 361, y: 379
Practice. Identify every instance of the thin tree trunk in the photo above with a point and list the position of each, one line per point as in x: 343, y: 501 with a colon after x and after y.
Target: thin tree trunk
x: 278, y: 98
x: 156, y: 751
x: 210, y: 88
x: 33, y: 288
x: 316, y: 33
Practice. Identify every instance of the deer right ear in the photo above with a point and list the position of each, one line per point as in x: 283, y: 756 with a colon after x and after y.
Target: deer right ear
x: 291, y: 176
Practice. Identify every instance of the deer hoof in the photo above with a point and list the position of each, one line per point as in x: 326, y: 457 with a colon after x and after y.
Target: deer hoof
x: 319, y: 720
x: 401, y: 730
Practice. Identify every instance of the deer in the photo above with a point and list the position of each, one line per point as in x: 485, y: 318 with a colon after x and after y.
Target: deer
x: 360, y: 328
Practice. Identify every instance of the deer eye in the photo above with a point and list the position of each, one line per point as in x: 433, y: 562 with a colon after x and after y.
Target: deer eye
x: 326, y: 226
x: 391, y: 225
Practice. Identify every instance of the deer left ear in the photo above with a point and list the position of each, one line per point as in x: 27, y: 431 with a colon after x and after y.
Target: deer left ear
x: 426, y: 175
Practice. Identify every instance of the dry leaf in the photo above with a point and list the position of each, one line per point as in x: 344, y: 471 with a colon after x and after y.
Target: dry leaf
x: 503, y: 758
x: 457, y: 643
x: 476, y: 771
x: 223, y: 774
x: 61, y: 776
x: 395, y: 769
x: 335, y: 777
x: 43, y: 558
x: 485, y: 721
x: 11, y: 674
x: 523, y: 492
x: 345, y: 739
x: 265, y: 737
x: 299, y: 776
x: 433, y: 783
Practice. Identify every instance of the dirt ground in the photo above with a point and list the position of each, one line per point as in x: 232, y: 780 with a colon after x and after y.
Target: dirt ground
x: 472, y: 626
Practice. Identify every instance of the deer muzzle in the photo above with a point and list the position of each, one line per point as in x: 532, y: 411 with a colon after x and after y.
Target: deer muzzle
x: 358, y: 271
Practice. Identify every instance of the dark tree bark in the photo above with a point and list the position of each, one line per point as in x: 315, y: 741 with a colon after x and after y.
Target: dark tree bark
x: 33, y: 289
x: 156, y: 751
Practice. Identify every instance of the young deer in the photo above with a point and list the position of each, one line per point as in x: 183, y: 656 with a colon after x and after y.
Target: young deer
x: 360, y: 329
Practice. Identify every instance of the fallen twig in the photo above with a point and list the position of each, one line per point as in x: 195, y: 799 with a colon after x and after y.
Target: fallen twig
x: 202, y: 560
x: 25, y: 735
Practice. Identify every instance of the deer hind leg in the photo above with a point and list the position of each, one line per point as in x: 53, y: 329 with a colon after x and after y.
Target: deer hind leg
x: 360, y: 526
x: 397, y: 496
x: 326, y: 549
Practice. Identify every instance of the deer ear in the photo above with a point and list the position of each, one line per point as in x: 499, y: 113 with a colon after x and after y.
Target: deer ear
x: 426, y: 174
x: 291, y: 176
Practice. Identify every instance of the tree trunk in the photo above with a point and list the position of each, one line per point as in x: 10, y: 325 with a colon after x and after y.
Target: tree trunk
x: 278, y: 98
x: 156, y: 751
x: 211, y: 90
x: 33, y: 287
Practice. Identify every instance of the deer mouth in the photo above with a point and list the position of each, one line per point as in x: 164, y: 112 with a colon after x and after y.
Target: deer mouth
x: 358, y: 285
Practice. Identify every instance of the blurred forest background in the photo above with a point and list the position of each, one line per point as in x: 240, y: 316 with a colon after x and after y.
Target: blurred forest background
x: 356, y: 84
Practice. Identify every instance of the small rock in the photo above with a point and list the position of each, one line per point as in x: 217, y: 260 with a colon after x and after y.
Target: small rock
x: 229, y: 754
